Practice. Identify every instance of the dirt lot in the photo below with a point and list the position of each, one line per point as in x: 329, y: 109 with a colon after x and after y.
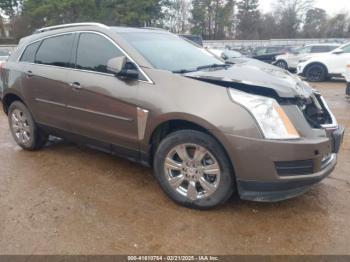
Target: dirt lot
x: 72, y: 200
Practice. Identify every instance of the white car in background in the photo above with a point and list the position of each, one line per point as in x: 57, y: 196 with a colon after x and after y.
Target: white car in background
x: 318, y: 68
x: 291, y: 60
x: 347, y: 78
x: 225, y: 54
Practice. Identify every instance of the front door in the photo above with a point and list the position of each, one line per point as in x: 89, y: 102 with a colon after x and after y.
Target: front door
x: 101, y: 106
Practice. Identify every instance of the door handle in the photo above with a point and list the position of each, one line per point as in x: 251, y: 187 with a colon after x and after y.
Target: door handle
x: 76, y: 85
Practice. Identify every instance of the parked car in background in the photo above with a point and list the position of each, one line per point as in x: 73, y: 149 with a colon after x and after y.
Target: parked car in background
x: 154, y: 98
x: 268, y: 54
x: 225, y: 54
x: 194, y: 38
x: 290, y: 60
x: 347, y: 78
x: 317, y: 68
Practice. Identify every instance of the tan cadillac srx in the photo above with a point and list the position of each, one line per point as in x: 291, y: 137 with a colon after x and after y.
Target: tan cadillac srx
x: 208, y: 128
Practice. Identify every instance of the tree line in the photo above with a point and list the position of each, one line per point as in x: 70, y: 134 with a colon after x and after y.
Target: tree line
x: 212, y: 19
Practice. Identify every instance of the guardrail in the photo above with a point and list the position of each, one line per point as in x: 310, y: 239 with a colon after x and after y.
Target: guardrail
x: 9, y: 47
x: 280, y: 42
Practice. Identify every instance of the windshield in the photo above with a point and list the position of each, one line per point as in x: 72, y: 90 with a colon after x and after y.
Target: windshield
x: 170, y: 52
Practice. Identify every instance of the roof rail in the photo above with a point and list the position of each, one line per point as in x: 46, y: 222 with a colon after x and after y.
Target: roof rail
x: 44, y: 29
x: 155, y: 28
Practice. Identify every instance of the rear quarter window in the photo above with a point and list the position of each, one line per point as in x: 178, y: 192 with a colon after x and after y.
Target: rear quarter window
x: 55, y: 51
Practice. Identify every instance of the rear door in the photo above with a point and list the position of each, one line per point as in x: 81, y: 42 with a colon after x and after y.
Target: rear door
x: 47, y: 68
x: 101, y: 106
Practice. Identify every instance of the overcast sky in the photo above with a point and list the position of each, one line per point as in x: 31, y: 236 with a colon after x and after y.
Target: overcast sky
x: 331, y: 6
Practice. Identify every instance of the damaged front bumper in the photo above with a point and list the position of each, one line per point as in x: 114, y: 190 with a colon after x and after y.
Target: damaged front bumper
x: 277, y: 170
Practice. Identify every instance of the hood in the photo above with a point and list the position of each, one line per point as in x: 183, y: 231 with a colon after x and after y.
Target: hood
x: 257, y: 77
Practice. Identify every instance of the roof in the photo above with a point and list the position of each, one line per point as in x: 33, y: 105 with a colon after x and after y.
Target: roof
x: 99, y: 25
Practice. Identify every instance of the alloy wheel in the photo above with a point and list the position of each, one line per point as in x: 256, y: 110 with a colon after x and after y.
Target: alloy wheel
x: 192, y: 171
x: 282, y: 65
x: 20, y: 126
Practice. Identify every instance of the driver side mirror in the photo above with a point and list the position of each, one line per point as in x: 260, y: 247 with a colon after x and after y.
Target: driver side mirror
x: 122, y: 68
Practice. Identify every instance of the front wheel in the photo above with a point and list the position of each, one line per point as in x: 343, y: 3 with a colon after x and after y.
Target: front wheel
x: 282, y: 64
x: 23, y: 128
x: 193, y: 170
x: 316, y: 73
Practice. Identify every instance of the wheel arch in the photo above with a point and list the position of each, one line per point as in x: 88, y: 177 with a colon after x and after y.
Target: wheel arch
x: 168, y: 126
x: 9, y: 98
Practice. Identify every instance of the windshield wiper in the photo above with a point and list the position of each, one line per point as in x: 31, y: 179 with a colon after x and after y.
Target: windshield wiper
x: 213, y: 66
x: 183, y: 71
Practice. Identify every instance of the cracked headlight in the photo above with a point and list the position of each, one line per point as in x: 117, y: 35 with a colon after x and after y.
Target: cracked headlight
x: 271, y: 118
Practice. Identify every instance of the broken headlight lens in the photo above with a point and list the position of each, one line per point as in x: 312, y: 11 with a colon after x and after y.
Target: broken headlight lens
x: 271, y: 118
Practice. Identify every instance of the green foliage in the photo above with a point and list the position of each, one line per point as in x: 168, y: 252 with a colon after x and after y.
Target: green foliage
x: 10, y: 7
x: 111, y: 12
x: 315, y: 22
x: 213, y: 19
x: 249, y: 19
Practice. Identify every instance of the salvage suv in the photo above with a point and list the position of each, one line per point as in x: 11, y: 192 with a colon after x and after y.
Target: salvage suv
x: 207, y: 128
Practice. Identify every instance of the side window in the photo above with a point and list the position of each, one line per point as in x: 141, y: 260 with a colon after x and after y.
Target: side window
x: 94, y: 51
x: 331, y: 48
x: 346, y: 49
x: 272, y: 50
x: 305, y: 50
x: 319, y: 49
x: 55, y: 51
x: 261, y: 51
x: 29, y: 52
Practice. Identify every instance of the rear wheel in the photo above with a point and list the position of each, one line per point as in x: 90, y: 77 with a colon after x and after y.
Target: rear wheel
x: 316, y: 73
x: 193, y: 170
x: 282, y: 64
x: 23, y: 128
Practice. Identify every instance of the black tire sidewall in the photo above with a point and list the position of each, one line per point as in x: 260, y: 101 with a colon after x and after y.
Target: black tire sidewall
x: 284, y: 63
x: 227, y: 183
x: 31, y: 144
x: 323, y: 74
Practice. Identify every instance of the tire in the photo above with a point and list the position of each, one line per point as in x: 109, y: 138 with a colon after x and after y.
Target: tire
x: 316, y: 73
x: 201, y: 181
x: 24, y: 129
x: 282, y: 64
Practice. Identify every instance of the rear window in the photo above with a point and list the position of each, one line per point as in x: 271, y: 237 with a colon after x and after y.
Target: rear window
x: 55, y: 51
x: 29, y: 53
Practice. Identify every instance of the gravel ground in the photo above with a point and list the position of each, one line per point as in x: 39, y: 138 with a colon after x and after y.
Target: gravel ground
x: 67, y: 199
